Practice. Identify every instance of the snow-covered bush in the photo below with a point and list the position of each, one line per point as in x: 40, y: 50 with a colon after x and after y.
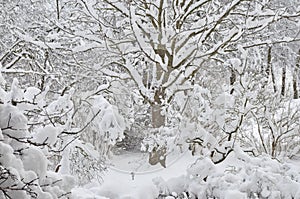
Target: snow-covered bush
x: 23, y: 163
x: 238, y: 176
x: 41, y: 154
x: 86, y: 164
x: 105, y: 125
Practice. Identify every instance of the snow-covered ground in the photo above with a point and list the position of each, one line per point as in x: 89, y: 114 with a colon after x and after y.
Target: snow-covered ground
x: 130, y: 176
x: 238, y: 177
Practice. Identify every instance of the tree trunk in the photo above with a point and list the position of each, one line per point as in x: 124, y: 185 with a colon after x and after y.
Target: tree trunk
x: 283, y: 80
x: 273, y: 80
x: 57, y: 9
x: 158, y: 118
x: 269, y: 61
x: 232, y: 80
x: 269, y: 70
x: 295, y: 76
x: 295, y: 84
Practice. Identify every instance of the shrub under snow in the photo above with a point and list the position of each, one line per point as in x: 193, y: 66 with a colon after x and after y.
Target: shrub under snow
x: 23, y: 166
x: 239, y: 176
x: 24, y: 171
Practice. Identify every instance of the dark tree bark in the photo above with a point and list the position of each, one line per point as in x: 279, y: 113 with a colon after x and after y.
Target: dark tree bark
x: 295, y: 84
x: 158, y: 118
x: 269, y: 70
x: 57, y: 9
x: 232, y: 80
x: 295, y: 77
x: 283, y: 81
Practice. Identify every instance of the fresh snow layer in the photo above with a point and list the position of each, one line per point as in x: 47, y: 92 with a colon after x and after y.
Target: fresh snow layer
x: 236, y: 177
x: 120, y: 183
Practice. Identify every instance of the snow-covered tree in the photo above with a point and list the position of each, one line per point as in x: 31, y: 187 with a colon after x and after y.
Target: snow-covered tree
x: 164, y: 48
